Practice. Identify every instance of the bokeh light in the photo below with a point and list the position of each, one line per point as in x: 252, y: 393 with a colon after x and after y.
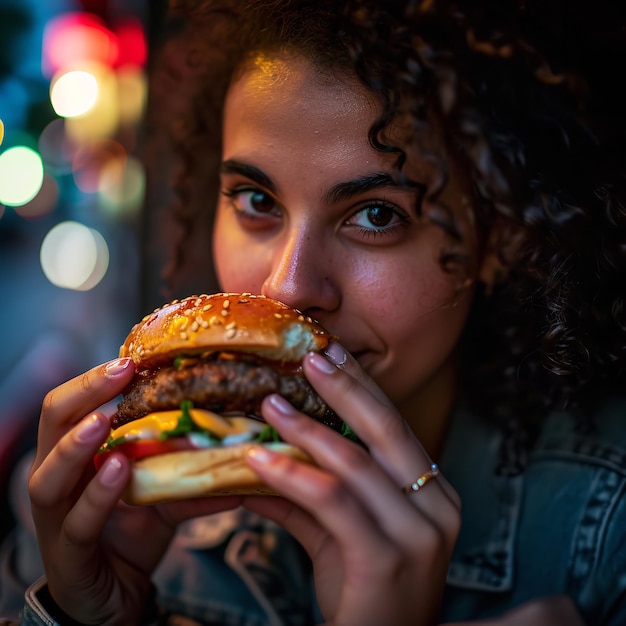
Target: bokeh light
x: 43, y: 203
x: 122, y: 186
x: 74, y: 39
x: 133, y: 90
x: 1, y: 132
x: 73, y: 93
x: 102, y: 119
x: 90, y: 160
x: 132, y: 45
x: 56, y: 149
x: 74, y: 256
x: 21, y: 175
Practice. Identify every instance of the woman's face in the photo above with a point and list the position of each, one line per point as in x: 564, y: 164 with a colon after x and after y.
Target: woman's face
x: 309, y: 214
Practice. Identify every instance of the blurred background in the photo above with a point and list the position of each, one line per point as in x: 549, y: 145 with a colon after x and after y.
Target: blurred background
x: 73, y: 88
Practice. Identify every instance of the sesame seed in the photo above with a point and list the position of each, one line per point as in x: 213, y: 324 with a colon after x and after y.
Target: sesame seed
x: 231, y: 326
x: 230, y: 333
x: 278, y: 315
x: 224, y: 312
x: 207, y: 307
x: 204, y: 324
x: 194, y: 327
x: 183, y: 335
x: 226, y: 304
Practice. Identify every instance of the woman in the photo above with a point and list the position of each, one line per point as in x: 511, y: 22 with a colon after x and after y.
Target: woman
x: 422, y: 181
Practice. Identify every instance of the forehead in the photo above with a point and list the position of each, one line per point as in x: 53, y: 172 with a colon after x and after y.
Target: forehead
x: 278, y: 91
x: 300, y: 125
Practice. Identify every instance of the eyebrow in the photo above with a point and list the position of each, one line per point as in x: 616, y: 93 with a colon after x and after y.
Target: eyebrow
x: 248, y: 171
x: 361, y: 184
x: 338, y: 193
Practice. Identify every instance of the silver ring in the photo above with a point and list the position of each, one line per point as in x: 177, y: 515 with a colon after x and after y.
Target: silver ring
x: 418, y: 483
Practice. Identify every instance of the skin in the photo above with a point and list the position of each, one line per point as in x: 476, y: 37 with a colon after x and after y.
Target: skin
x: 291, y: 135
x: 380, y: 289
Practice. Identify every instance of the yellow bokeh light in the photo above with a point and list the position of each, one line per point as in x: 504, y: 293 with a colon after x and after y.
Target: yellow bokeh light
x: 102, y: 119
x: 73, y: 93
x: 21, y: 175
x: 1, y: 132
x: 74, y: 256
x: 133, y: 90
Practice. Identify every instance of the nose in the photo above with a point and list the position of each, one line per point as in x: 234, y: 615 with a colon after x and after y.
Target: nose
x: 302, y: 274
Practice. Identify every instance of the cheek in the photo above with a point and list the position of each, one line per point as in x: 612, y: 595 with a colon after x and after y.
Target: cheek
x: 419, y: 322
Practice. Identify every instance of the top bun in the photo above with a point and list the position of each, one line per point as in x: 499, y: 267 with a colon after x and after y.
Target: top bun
x: 239, y: 322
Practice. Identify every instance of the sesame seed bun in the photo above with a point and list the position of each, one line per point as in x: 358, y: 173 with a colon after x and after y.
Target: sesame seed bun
x: 223, y: 322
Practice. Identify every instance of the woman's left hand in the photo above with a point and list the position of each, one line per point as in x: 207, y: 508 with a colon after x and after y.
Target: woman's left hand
x: 380, y: 556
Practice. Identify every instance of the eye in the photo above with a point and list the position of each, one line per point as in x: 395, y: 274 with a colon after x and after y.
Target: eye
x: 252, y: 202
x: 378, y: 218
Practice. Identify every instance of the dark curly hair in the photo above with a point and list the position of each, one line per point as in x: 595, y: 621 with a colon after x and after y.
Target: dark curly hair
x: 522, y: 95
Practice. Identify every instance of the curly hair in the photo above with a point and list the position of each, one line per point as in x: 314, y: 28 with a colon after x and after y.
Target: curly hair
x: 521, y: 94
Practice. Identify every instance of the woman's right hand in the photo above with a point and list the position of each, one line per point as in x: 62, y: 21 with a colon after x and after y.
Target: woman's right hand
x: 98, y: 553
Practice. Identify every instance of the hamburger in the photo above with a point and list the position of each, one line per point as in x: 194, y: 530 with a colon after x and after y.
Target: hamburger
x: 203, y: 365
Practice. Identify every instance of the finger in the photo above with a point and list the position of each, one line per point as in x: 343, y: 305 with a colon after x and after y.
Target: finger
x: 62, y: 472
x: 86, y: 519
x: 374, y: 488
x: 376, y: 423
x: 343, y: 360
x: 72, y: 546
x: 326, y: 499
x: 295, y: 520
x: 388, y: 437
x: 67, y: 404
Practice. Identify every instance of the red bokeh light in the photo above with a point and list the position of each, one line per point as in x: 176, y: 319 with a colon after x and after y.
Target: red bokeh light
x: 75, y: 38
x: 132, y: 45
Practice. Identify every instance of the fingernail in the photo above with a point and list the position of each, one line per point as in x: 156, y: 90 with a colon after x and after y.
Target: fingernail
x: 336, y: 353
x: 89, y: 429
x: 260, y: 454
x: 117, y: 367
x: 281, y: 405
x: 320, y: 363
x: 111, y: 472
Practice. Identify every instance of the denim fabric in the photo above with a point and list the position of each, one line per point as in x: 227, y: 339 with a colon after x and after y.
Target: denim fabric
x: 558, y: 528
x: 238, y: 569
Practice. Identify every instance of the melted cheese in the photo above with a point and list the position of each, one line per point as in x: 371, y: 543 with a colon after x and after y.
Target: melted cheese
x: 152, y: 425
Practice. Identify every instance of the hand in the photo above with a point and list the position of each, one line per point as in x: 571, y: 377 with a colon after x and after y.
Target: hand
x: 98, y: 553
x: 379, y: 556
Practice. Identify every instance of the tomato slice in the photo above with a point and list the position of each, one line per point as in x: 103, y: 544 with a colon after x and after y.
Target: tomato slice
x: 140, y: 448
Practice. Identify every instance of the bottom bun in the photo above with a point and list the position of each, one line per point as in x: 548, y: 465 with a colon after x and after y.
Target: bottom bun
x: 198, y: 473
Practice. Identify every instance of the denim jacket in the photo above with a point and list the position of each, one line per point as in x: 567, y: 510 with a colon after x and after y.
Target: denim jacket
x: 560, y: 527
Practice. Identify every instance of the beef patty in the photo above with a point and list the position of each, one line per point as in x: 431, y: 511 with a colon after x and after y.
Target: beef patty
x: 222, y: 386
